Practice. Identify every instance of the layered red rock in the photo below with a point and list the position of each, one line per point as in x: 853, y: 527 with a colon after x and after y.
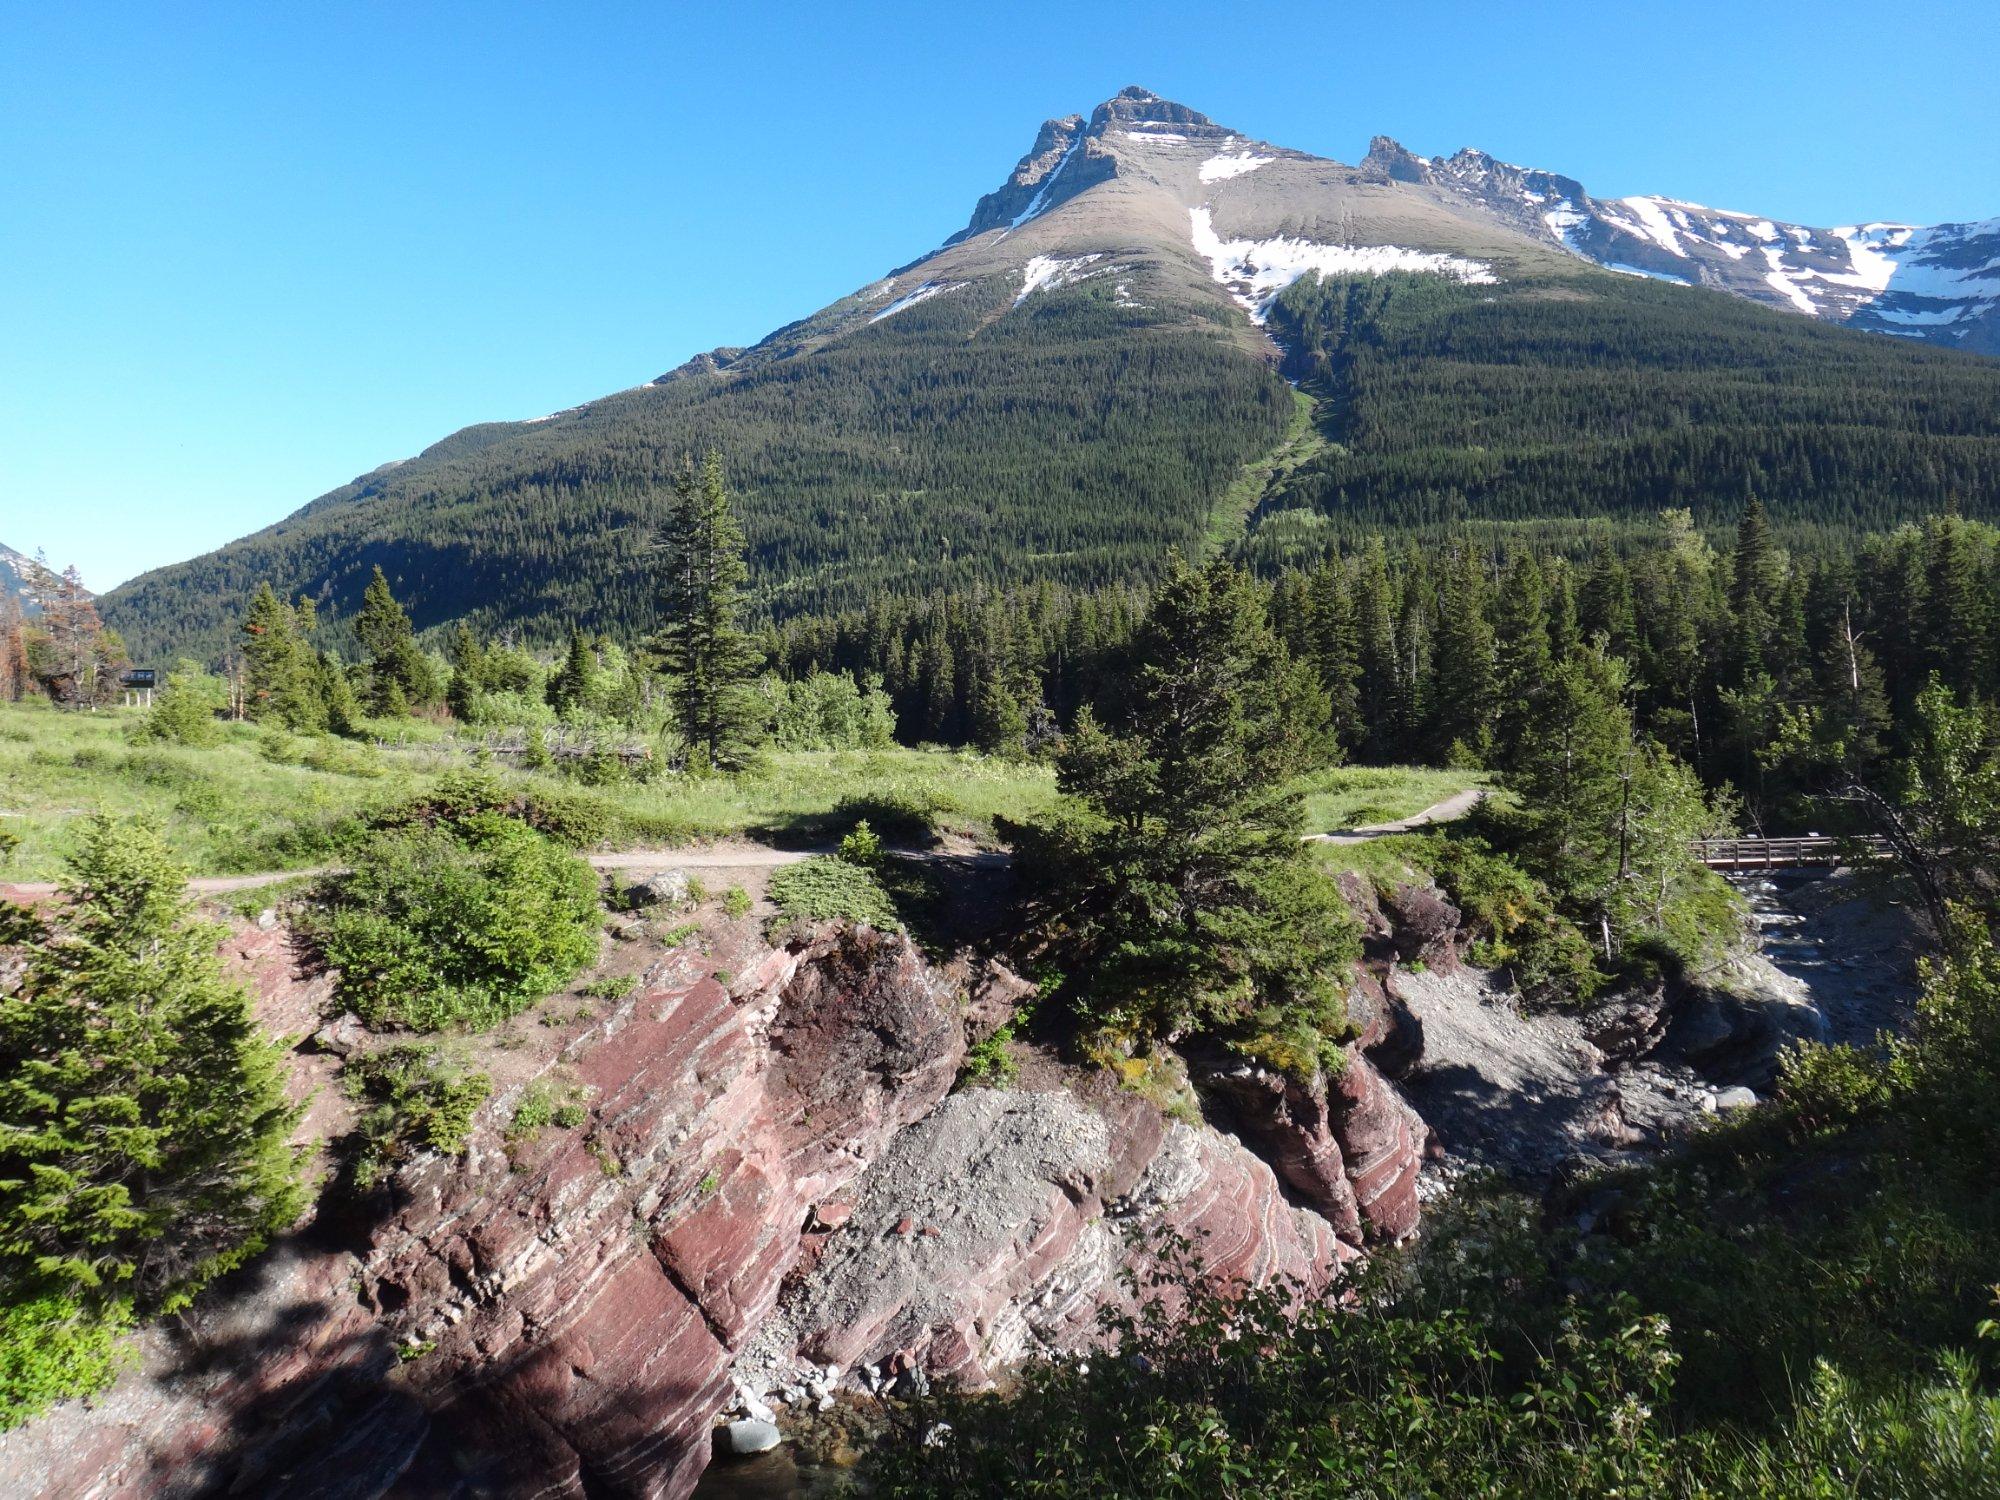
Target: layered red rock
x: 995, y: 1230
x: 574, y: 1307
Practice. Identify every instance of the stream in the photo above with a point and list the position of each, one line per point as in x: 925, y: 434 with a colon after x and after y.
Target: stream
x: 1853, y: 953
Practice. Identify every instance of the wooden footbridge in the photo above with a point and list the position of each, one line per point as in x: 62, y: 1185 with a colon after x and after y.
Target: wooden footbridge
x: 1806, y: 852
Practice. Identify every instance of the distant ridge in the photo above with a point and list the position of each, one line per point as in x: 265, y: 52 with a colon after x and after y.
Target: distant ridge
x: 1074, y: 382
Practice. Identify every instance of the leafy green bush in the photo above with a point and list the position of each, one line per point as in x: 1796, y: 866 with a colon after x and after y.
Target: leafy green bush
x: 411, y: 1099
x: 609, y: 987
x: 1824, y: 1088
x: 1263, y: 1392
x: 991, y: 1061
x: 186, y: 708
x: 736, y: 903
x: 828, y: 711
x: 906, y: 818
x: 51, y: 1350
x: 575, y: 820
x: 545, y: 1103
x: 861, y: 846
x: 462, y: 923
x: 829, y: 887
x: 1513, y: 921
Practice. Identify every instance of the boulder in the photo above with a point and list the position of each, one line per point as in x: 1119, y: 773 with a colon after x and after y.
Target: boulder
x: 748, y: 1436
x: 668, y: 888
x: 1024, y: 1210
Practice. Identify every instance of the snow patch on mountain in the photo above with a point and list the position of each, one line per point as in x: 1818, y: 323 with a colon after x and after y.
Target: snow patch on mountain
x: 1255, y: 271
x: 923, y: 293
x: 1053, y: 271
x: 1221, y: 168
x: 1040, y: 201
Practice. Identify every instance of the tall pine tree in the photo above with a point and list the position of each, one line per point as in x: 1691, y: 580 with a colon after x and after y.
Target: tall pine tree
x: 702, y: 645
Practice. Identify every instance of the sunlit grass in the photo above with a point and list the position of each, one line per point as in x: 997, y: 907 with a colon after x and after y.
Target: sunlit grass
x: 1343, y: 797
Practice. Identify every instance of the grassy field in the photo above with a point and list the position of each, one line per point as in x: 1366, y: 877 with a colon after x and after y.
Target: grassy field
x: 263, y: 800
x: 1342, y: 797
x: 270, y: 801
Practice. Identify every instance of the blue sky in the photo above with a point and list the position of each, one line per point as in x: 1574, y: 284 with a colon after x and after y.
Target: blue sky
x: 247, y: 252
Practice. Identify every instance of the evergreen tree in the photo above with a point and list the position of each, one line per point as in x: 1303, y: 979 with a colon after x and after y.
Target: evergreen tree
x: 343, y: 709
x: 468, y: 674
x: 143, y: 1121
x: 399, y: 675
x: 1181, y: 890
x: 1568, y: 777
x: 1755, y: 577
x: 279, y: 683
x: 1952, y: 620
x: 1465, y: 674
x: 574, y: 684
x: 1334, y: 649
x: 702, y: 645
x: 1521, y: 651
x: 1604, y: 604
x: 1382, y: 698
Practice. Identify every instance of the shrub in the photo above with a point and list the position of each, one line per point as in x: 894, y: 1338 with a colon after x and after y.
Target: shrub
x: 907, y: 818
x: 459, y: 924
x: 185, y: 709
x: 736, y: 902
x: 51, y: 1350
x: 608, y: 987
x: 1513, y: 921
x: 861, y: 847
x: 1823, y: 1088
x: 991, y: 1061
x: 828, y: 888
x: 412, y: 1099
x: 572, y: 819
x: 545, y: 1103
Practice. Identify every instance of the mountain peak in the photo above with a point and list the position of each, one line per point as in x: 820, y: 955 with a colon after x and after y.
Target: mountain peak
x: 1071, y: 154
x: 1137, y: 106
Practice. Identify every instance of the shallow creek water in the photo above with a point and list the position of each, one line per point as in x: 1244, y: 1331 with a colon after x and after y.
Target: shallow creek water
x: 1852, y: 953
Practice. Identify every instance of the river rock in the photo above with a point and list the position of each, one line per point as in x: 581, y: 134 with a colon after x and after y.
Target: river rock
x: 748, y: 1436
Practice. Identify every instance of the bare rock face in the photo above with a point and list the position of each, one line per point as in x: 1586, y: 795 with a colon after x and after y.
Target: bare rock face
x: 1349, y: 1146
x: 994, y: 1231
x: 1425, y: 926
x: 1382, y: 1145
x: 575, y: 1309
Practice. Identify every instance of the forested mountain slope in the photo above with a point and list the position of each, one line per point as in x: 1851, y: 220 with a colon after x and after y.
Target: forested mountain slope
x: 1075, y: 382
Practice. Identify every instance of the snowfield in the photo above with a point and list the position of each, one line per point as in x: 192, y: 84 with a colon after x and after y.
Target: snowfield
x: 1255, y: 271
x: 1052, y: 271
x: 923, y: 293
x: 1221, y: 168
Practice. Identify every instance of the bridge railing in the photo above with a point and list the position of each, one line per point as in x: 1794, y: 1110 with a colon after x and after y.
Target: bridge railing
x: 1787, y: 853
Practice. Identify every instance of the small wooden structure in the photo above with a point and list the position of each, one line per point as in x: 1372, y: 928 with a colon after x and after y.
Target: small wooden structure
x: 137, y: 684
x: 1788, y: 854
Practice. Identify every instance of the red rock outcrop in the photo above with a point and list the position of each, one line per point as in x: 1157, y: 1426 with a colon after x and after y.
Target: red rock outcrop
x: 1348, y: 1146
x: 574, y: 1307
x: 996, y: 1229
